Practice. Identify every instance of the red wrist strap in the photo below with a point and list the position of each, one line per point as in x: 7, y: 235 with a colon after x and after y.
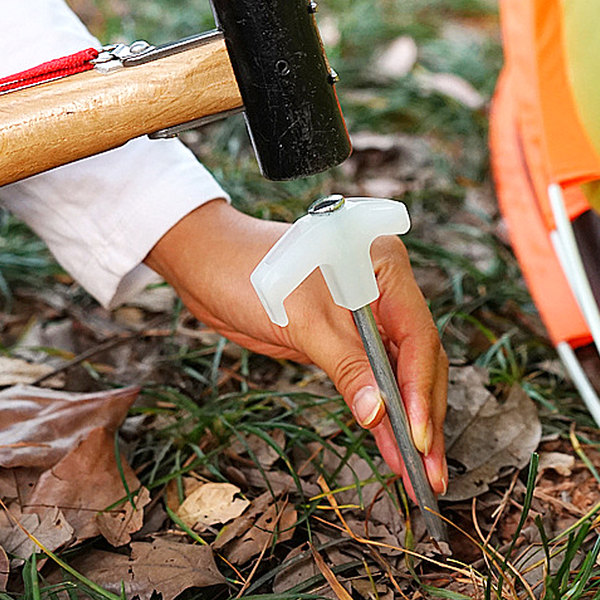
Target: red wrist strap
x: 48, y: 71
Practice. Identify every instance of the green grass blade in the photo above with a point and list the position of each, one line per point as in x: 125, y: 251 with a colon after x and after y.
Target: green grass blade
x: 531, y: 477
x: 578, y: 588
x: 119, y: 460
x: 177, y: 520
x: 574, y: 543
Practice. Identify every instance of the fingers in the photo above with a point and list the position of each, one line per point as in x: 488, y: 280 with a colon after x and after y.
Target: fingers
x: 388, y: 448
x: 337, y: 348
x: 420, y: 360
x: 421, y: 363
x: 435, y: 462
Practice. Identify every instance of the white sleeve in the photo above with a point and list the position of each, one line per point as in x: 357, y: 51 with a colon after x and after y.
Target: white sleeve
x: 102, y: 215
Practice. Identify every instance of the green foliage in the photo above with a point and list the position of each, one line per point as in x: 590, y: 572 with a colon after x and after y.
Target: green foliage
x: 24, y: 258
x: 158, y: 22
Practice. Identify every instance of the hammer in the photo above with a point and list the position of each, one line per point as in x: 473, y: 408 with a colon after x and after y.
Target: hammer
x: 265, y: 58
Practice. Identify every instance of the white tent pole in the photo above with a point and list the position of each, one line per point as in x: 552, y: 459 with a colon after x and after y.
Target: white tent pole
x: 580, y: 379
x: 568, y: 253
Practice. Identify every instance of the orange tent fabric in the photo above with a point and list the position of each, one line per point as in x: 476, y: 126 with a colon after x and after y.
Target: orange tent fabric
x: 555, y: 144
x: 536, y: 139
x: 571, y: 155
x: 529, y: 236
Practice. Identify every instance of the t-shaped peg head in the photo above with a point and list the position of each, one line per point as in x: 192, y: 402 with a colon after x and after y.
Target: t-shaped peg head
x: 336, y: 236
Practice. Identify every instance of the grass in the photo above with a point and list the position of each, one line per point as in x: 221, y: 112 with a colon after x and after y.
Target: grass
x: 24, y: 258
x: 482, y: 309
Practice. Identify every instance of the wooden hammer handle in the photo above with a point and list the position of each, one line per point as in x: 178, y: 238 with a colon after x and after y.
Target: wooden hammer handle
x: 56, y: 123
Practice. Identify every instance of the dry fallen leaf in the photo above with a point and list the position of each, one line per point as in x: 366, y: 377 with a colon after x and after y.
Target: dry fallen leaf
x: 117, y: 525
x: 484, y: 437
x: 300, y: 567
x: 4, y: 569
x: 557, y: 461
x: 52, y: 531
x: 18, y: 484
x: 167, y: 568
x: 212, y: 503
x: 277, y: 482
x: 190, y: 484
x: 84, y: 483
x: 238, y: 527
x: 14, y: 371
x: 39, y: 426
x: 279, y: 519
x: 265, y: 454
x: 8, y: 484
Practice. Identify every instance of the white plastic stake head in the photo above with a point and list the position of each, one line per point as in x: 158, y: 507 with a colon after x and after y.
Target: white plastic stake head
x: 336, y: 236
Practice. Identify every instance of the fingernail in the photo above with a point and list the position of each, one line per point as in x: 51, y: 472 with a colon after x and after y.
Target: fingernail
x: 367, y: 405
x: 444, y: 482
x: 444, y: 479
x: 424, y: 438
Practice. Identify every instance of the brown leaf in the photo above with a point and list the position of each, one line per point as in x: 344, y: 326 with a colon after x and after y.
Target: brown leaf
x: 18, y: 484
x: 52, y: 531
x: 190, y: 484
x: 167, y: 568
x: 39, y: 426
x: 212, y: 503
x: 8, y: 484
x: 237, y: 528
x: 299, y: 568
x: 4, y: 570
x: 84, y: 483
x: 117, y: 525
x: 277, y: 482
x: 485, y: 436
x: 557, y: 461
x: 279, y: 520
x: 453, y: 86
x: 14, y: 371
x: 265, y: 454
x: 351, y: 473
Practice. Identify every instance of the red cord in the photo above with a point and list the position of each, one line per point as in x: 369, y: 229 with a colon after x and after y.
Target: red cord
x: 48, y: 71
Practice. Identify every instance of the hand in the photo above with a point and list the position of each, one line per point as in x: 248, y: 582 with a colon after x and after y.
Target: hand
x: 208, y: 257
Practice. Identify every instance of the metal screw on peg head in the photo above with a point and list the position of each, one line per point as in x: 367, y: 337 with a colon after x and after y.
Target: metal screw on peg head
x: 327, y: 205
x: 336, y: 236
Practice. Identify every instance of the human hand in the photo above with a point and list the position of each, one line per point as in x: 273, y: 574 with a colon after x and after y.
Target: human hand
x: 208, y: 257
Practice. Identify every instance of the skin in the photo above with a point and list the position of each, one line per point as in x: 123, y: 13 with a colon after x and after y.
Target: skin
x: 208, y: 257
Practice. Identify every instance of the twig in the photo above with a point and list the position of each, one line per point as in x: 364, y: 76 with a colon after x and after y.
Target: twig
x: 101, y: 347
x: 105, y: 345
